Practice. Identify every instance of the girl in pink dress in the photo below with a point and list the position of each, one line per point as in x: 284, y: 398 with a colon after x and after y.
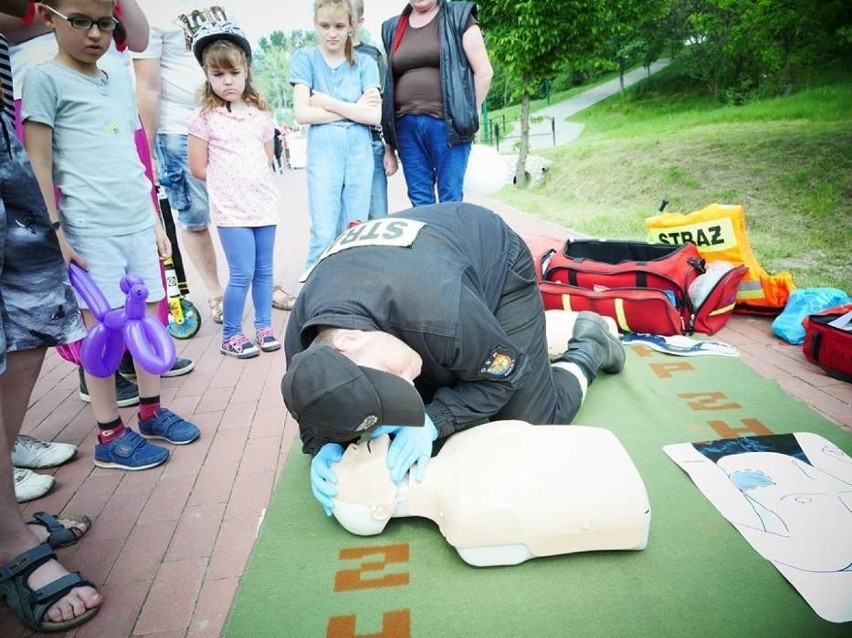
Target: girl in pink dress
x: 231, y: 146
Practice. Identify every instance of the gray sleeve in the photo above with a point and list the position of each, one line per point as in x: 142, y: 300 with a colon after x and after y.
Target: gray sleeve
x: 39, y: 98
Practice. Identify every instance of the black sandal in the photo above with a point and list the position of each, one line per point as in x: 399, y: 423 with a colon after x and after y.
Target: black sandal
x: 60, y: 536
x: 31, y: 606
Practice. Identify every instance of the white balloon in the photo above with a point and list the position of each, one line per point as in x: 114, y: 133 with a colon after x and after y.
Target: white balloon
x: 486, y: 171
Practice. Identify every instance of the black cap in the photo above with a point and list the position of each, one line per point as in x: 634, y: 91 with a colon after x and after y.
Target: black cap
x: 339, y: 400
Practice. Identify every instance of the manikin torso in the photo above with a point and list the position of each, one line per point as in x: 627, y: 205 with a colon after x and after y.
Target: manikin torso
x: 505, y: 492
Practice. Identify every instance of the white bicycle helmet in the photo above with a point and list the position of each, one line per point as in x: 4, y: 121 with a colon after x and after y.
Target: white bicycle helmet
x: 210, y: 31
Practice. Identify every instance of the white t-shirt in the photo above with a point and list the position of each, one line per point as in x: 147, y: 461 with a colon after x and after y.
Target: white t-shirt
x: 172, y: 23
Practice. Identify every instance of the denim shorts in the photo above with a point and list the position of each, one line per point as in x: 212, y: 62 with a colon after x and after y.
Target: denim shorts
x: 110, y: 258
x: 187, y: 195
x: 37, y: 306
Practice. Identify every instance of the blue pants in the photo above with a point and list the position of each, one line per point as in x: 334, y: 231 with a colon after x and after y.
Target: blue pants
x: 379, y: 195
x: 428, y: 160
x: 249, y: 254
x: 340, y: 176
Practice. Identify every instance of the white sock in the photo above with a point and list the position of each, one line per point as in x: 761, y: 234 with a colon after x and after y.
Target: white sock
x: 577, y: 371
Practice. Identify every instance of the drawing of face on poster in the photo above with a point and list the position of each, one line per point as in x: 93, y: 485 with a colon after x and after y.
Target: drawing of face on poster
x: 798, y: 505
x: 790, y: 496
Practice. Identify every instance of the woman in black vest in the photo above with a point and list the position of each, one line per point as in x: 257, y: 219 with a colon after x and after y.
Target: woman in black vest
x: 438, y: 76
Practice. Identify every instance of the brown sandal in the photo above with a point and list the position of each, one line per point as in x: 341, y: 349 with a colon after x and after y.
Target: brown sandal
x: 215, y: 304
x: 284, y: 301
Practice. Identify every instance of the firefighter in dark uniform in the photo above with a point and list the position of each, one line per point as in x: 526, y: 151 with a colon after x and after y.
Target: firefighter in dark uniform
x: 436, y: 306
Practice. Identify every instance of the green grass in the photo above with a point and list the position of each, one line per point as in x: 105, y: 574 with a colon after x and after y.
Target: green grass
x: 787, y: 160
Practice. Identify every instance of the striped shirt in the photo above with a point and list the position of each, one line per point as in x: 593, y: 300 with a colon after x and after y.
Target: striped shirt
x: 6, y: 78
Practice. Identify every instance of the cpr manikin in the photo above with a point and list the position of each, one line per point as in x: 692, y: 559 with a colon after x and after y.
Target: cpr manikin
x: 505, y: 492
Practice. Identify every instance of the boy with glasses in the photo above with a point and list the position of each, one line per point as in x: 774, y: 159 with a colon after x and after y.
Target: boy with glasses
x: 79, y: 130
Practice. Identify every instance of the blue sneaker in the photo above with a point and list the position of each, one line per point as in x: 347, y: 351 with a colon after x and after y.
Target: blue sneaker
x: 129, y: 452
x: 168, y: 426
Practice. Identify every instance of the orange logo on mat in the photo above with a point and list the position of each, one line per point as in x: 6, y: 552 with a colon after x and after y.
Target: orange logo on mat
x: 708, y: 401
x: 395, y: 623
x: 751, y: 427
x: 362, y: 578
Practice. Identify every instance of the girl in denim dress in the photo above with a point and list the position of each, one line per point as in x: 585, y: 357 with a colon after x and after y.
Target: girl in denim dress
x: 336, y: 91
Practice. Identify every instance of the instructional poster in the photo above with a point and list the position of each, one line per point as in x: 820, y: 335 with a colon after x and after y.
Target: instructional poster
x: 790, y: 496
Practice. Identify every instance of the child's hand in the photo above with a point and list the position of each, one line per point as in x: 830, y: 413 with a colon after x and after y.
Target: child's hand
x: 68, y: 253
x: 164, y: 246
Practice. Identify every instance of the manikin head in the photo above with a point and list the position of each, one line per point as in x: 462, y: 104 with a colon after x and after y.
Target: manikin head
x: 368, y: 498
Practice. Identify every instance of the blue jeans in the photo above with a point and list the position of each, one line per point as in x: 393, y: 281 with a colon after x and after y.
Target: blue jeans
x: 187, y: 195
x: 249, y: 254
x: 428, y: 160
x: 340, y: 176
x: 379, y: 195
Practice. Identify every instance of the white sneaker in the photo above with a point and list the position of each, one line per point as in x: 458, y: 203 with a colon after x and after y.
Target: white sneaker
x: 29, y: 485
x: 32, y: 453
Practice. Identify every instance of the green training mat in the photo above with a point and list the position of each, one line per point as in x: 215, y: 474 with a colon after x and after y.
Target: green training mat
x: 697, y: 577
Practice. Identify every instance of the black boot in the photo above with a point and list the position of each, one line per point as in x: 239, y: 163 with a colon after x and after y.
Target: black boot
x: 593, y: 347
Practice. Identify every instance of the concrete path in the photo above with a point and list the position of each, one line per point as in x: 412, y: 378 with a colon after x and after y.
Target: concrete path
x: 541, y: 133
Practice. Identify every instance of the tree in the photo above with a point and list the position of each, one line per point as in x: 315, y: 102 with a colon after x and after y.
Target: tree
x: 632, y: 30
x: 533, y: 40
x: 740, y: 48
x: 272, y: 66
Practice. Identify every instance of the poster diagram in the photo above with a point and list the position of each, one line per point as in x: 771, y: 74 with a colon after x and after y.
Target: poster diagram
x: 790, y: 496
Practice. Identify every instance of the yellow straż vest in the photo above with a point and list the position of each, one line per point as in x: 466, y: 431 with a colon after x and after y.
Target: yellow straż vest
x: 719, y: 232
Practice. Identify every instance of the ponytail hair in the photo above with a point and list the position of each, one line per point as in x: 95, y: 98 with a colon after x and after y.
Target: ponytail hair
x: 349, y: 49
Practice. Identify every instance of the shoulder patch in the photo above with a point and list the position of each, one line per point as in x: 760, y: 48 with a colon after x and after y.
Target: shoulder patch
x: 500, y: 364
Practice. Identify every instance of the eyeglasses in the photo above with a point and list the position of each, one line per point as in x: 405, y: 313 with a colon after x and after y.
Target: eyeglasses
x: 85, y: 23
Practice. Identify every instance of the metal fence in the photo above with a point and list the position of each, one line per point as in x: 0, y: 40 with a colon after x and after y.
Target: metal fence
x: 495, y: 132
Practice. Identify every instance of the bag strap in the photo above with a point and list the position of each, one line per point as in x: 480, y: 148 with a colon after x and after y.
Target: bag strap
x: 400, y: 29
x: 814, y: 348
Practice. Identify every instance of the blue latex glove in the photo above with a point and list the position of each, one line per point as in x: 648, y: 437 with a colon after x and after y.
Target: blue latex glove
x: 409, y: 445
x: 323, y: 480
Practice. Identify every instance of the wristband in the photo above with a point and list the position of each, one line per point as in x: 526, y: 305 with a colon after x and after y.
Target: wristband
x: 119, y: 36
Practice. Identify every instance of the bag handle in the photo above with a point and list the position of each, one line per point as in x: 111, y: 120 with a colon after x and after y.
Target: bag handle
x: 816, y: 342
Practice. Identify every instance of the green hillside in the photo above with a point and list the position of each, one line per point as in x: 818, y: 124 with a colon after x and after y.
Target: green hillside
x: 787, y: 160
